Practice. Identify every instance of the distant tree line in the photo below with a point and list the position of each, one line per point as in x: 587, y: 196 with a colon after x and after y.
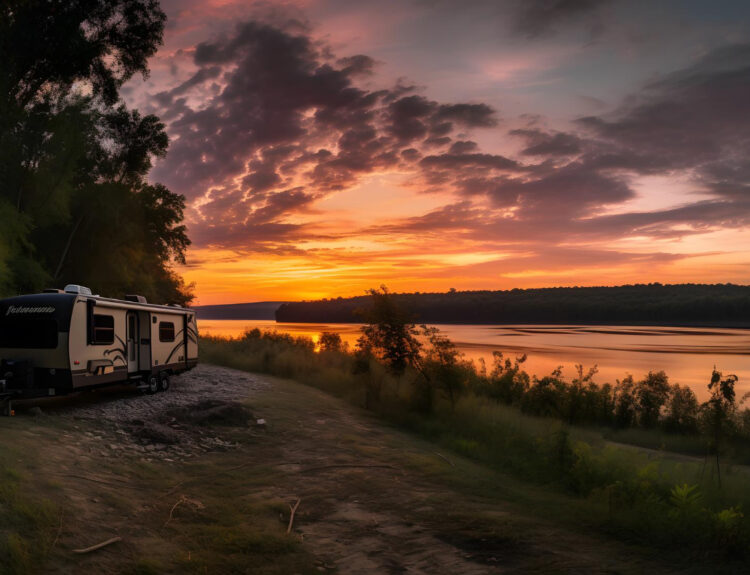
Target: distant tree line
x: 716, y: 304
x: 75, y: 202
x: 259, y: 310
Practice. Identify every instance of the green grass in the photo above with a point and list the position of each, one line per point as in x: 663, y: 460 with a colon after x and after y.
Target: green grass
x: 222, y: 521
x: 27, y: 522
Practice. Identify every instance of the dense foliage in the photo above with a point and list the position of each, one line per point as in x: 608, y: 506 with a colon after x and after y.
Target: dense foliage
x: 631, y: 304
x: 75, y: 204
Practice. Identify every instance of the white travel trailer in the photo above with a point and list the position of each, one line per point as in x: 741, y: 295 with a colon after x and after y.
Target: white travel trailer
x: 62, y: 341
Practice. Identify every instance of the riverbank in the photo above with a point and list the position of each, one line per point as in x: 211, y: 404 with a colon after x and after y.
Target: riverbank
x: 666, y: 502
x: 368, y: 498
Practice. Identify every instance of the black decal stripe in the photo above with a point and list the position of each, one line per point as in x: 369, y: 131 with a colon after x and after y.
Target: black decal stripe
x: 118, y: 354
x: 190, y: 335
x: 178, y: 346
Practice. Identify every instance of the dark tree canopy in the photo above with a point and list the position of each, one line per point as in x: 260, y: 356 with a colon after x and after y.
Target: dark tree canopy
x: 48, y: 45
x: 75, y: 204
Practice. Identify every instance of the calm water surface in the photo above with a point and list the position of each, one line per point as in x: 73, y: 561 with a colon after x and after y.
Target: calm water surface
x: 686, y: 354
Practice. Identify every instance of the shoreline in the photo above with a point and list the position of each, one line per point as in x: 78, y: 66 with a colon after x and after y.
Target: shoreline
x: 716, y: 325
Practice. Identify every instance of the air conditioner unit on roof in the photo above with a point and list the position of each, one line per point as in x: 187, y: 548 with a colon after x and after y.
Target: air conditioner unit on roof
x: 75, y: 288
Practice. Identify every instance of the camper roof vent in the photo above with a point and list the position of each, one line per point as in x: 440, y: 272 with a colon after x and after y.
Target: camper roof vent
x: 135, y: 298
x: 75, y: 288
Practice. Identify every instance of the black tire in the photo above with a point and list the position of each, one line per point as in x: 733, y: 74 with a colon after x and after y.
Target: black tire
x: 153, y: 385
x: 164, y: 382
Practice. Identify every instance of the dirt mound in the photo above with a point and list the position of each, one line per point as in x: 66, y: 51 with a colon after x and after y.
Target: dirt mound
x: 211, y: 412
x: 151, y: 432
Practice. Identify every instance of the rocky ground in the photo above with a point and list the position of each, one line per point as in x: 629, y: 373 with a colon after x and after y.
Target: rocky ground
x: 176, y: 425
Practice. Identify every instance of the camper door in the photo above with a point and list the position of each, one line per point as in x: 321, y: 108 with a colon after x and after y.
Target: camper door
x: 132, y: 341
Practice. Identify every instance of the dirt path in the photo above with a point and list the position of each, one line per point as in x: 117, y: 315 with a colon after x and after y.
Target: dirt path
x: 192, y: 485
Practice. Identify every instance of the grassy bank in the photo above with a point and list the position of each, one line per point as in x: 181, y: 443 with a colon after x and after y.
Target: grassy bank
x: 654, y: 497
x: 27, y: 522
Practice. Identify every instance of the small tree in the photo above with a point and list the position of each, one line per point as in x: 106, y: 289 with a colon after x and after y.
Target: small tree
x: 508, y: 382
x: 442, y: 363
x: 389, y: 334
x: 625, y: 402
x: 718, y: 413
x: 544, y: 396
x: 682, y: 410
x: 330, y: 341
x: 390, y: 337
x: 651, y: 394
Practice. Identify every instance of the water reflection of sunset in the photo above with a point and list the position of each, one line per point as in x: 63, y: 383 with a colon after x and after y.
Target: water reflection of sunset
x: 686, y: 354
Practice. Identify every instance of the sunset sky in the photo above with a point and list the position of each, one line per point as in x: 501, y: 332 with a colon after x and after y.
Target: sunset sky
x: 328, y: 146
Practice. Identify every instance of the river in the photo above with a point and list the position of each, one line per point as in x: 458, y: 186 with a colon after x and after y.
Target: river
x: 686, y: 354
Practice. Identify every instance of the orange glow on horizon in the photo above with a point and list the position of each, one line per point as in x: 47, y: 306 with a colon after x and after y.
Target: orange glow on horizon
x: 223, y: 277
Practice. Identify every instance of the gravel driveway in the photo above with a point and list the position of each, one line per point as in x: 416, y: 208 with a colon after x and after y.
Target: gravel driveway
x: 174, y: 425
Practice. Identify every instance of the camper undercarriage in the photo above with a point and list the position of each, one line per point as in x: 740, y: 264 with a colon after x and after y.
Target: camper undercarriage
x: 69, y: 340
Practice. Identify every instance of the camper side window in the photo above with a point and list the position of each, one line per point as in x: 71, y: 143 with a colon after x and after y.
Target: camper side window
x: 166, y: 331
x: 103, y: 332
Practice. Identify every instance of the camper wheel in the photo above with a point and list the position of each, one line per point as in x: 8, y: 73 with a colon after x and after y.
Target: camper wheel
x: 164, y: 384
x: 153, y: 384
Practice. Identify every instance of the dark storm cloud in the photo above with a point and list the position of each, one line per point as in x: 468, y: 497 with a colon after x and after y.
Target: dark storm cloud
x: 463, y: 161
x: 693, y: 122
x: 289, y: 124
x: 570, y: 192
x: 463, y: 147
x: 414, y: 117
x: 408, y: 117
x: 468, y: 115
x: 285, y: 115
x: 548, y: 144
x: 695, y: 119
x: 672, y: 223
x: 356, y: 65
x: 463, y: 220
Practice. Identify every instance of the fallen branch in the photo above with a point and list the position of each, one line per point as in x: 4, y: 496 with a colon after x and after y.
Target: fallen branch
x: 171, y: 511
x: 444, y: 458
x: 345, y: 466
x: 291, y: 516
x: 194, y: 503
x: 97, y: 546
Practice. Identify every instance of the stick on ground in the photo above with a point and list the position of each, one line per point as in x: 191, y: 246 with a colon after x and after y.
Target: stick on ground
x: 98, y: 545
x: 346, y: 466
x: 444, y: 458
x: 171, y: 512
x: 291, y: 516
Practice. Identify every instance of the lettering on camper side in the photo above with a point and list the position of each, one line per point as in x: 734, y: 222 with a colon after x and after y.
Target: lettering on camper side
x: 19, y: 309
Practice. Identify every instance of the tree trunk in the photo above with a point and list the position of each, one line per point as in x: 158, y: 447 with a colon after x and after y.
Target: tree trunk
x: 64, y: 255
